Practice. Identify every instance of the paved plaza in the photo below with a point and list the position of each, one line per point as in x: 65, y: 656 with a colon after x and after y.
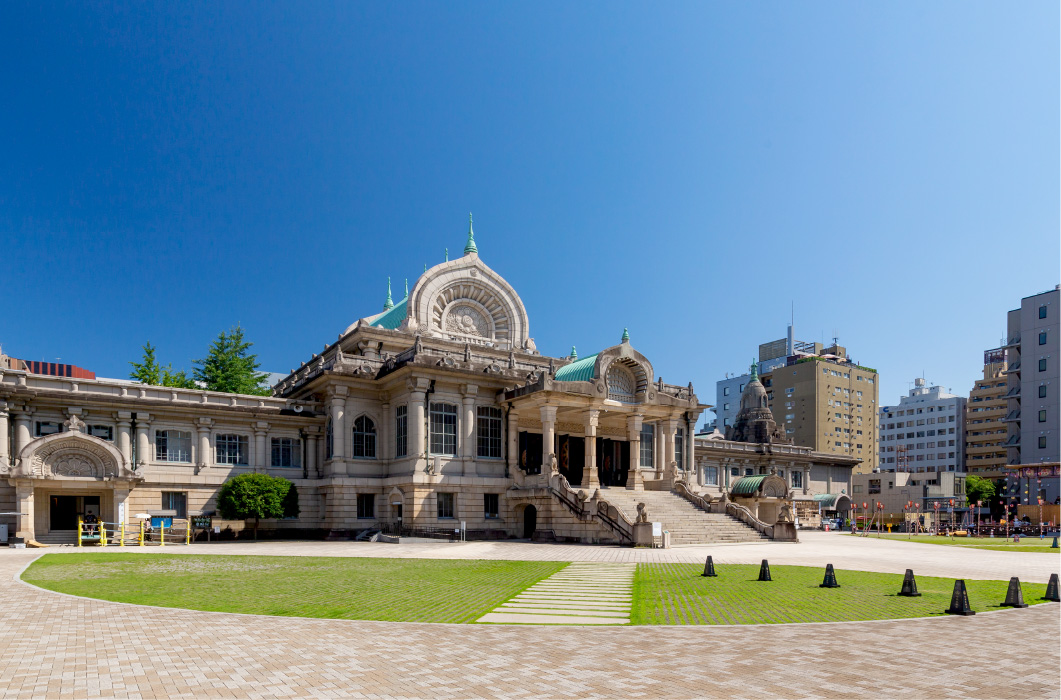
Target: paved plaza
x: 54, y: 645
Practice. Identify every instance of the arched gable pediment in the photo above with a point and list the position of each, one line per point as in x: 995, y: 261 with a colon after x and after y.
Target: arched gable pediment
x: 71, y: 455
x: 466, y: 301
x: 625, y: 361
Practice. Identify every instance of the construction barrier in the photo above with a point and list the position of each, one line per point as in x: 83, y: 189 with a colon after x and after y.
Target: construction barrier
x: 104, y: 534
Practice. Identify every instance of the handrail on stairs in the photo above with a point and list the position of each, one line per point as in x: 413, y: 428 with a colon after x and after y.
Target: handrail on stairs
x: 606, y: 513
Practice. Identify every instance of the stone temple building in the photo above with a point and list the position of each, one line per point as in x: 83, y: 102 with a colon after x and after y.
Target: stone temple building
x: 437, y: 412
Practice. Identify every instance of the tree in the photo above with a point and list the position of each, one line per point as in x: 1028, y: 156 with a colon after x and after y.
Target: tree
x: 255, y: 496
x: 228, y: 367
x: 148, y: 371
x: 978, y: 489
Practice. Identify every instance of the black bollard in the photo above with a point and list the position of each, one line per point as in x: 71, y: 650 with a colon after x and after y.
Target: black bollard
x: 909, y: 585
x: 764, y: 572
x: 1051, y: 590
x: 1014, y: 595
x: 709, y: 568
x: 830, y: 578
x: 959, y: 600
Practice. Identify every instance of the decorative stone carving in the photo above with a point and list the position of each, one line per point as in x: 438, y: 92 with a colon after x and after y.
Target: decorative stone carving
x: 74, y: 424
x: 530, y: 347
x: 466, y: 320
x: 642, y: 514
x: 785, y: 516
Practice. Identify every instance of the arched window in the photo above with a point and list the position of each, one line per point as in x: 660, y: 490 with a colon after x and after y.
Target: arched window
x: 620, y: 384
x: 364, y: 444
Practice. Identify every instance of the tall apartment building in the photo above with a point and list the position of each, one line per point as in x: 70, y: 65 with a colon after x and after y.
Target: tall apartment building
x: 985, y: 411
x: 829, y: 403
x: 822, y: 398
x: 1032, y: 379
x: 771, y: 356
x: 924, y: 433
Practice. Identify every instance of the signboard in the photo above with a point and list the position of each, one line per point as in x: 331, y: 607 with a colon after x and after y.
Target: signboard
x: 121, y: 512
x: 657, y: 529
x: 201, y: 522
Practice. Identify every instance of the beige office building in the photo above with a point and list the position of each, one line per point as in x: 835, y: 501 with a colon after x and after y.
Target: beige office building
x: 828, y: 403
x: 985, y: 431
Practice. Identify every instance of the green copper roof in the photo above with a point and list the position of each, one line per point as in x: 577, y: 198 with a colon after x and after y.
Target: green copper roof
x: 574, y: 353
x: 829, y: 500
x: 388, y: 304
x: 393, y: 317
x: 755, y: 370
x: 470, y: 246
x: 747, y: 485
x: 578, y: 371
x: 626, y: 336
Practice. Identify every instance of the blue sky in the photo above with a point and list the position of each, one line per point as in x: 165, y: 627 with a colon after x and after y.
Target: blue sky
x: 688, y: 170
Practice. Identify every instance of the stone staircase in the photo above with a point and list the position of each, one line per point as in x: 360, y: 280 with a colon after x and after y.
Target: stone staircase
x: 687, y: 523
x: 58, y: 537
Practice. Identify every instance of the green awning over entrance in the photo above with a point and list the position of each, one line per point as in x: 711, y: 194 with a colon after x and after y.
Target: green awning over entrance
x: 747, y: 485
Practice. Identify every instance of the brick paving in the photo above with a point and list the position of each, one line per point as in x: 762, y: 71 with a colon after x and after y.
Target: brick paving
x: 53, y: 645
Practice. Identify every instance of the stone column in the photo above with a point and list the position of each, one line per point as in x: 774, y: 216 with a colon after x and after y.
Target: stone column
x: 24, y: 505
x: 548, y: 414
x: 205, y: 457
x: 513, y: 442
x: 125, y: 441
x: 828, y: 479
x: 590, y: 478
x: 262, y: 456
x: 806, y: 479
x: 144, y: 453
x: 670, y: 427
x: 634, y: 479
x: 22, y: 431
x: 417, y: 417
x: 311, y: 453
x: 467, y: 449
x: 338, y: 405
x: 5, y: 448
x: 385, y: 448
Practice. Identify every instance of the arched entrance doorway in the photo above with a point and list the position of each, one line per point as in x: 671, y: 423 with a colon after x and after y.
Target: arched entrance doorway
x: 530, y: 521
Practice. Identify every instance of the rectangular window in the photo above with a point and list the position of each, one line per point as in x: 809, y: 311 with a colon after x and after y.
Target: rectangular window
x: 679, y: 447
x: 232, y: 449
x: 648, y: 445
x: 175, y: 500
x: 443, y: 429
x: 287, y: 452
x: 173, y: 446
x: 711, y: 476
x: 1042, y: 391
x: 734, y: 471
x: 797, y: 479
x: 1042, y: 365
x: 103, y: 432
x: 490, y: 505
x: 1042, y: 442
x: 488, y: 432
x: 48, y: 428
x: 366, y: 506
x: 445, y: 505
x: 725, y: 391
x: 1042, y: 416
x: 328, y: 440
x: 401, y: 431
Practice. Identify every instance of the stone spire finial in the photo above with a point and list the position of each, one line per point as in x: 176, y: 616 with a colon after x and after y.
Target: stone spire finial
x: 626, y: 335
x: 389, y: 304
x: 470, y: 245
x: 574, y: 353
x: 755, y: 370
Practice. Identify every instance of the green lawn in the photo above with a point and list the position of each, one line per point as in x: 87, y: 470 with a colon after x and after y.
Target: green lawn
x: 676, y: 594
x: 409, y: 590
x: 1027, y: 544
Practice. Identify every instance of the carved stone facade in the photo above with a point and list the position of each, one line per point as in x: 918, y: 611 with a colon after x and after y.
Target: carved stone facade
x: 438, y: 410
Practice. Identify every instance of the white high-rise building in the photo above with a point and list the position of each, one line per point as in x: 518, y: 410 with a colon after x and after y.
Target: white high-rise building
x: 924, y: 433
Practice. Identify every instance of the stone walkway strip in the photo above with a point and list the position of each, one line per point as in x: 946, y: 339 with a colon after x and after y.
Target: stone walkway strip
x: 582, y: 593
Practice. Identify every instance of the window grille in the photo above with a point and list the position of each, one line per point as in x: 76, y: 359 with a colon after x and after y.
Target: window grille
x: 287, y: 452
x: 401, y: 431
x: 364, y: 443
x: 648, y: 445
x: 173, y: 446
x: 488, y: 432
x: 620, y: 385
x: 232, y: 449
x: 443, y: 429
